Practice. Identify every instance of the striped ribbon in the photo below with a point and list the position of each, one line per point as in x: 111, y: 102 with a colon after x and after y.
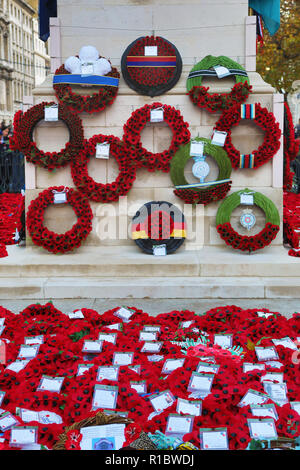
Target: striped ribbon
x: 247, y: 161
x: 76, y: 79
x: 212, y: 73
x: 139, y: 231
x: 151, y: 61
x: 199, y: 185
x: 248, y: 111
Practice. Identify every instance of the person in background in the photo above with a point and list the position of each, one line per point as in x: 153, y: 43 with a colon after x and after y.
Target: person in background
x: 4, y: 138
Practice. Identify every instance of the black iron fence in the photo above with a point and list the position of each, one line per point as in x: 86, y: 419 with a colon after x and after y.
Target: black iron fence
x: 12, y: 173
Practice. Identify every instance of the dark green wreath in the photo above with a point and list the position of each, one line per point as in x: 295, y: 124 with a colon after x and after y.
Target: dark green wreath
x: 210, y: 192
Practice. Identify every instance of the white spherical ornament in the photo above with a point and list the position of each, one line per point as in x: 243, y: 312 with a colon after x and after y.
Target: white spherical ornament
x: 73, y: 65
x: 88, y: 54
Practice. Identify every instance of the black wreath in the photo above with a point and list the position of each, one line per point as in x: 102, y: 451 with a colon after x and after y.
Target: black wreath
x: 145, y: 89
x: 172, y: 244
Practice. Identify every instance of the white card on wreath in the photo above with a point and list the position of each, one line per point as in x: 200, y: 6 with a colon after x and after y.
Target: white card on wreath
x: 187, y: 407
x: 214, y: 439
x: 90, y: 346
x: 262, y: 429
x: 124, y: 313
x: 223, y: 340
x: 196, y: 148
x: 150, y: 51
x: 23, y: 435
x: 148, y: 336
x: 109, y: 337
x: 28, y: 351
x: 156, y: 115
x: 221, y: 71
x: 247, y: 199
x: 152, y: 346
x: 162, y: 401
x: 50, y: 384
x: 74, y: 315
x: 60, y: 198
x: 51, y: 113
x: 200, y: 382
x: 139, y: 387
x: 87, y: 69
x: 253, y: 397
x: 7, y: 421
x: 102, y: 150
x: 29, y: 340
x: 277, y: 392
x: 248, y: 367
x: 265, y: 354
x: 295, y: 405
x: 151, y: 328
x: 219, y: 138
x: 123, y: 359
x: 204, y: 367
x: 178, y: 425
x: 272, y: 377
x: 105, y: 396
x: 1, y: 396
x: 18, y: 365
x: 82, y: 368
x: 107, y: 373
x: 172, y: 364
x: 285, y: 342
x: 264, y: 411
x: 160, y: 250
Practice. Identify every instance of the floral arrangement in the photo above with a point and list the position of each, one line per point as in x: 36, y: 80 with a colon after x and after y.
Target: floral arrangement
x: 135, y: 125
x: 291, y: 222
x: 11, y: 208
x: 151, y: 75
x: 265, y: 120
x: 60, y: 354
x: 51, y: 241
x: 100, y: 192
x: 22, y: 139
x: 248, y: 243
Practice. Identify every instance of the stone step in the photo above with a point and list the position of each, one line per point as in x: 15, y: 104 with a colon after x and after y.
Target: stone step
x: 192, y: 288
x: 130, y: 262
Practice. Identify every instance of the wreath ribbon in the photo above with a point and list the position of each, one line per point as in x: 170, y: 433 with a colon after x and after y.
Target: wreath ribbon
x: 151, y: 61
x: 213, y: 73
x: 77, y: 79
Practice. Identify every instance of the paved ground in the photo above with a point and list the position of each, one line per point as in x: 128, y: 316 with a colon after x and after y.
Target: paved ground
x: 155, y: 306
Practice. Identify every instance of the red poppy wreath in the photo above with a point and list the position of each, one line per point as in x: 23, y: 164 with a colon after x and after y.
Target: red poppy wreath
x: 265, y: 120
x: 22, y: 138
x: 51, y: 241
x: 100, y: 192
x: 136, y: 123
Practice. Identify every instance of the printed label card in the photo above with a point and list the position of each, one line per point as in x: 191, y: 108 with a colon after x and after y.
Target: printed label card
x: 28, y: 351
x: 139, y: 387
x: 221, y: 71
x: 157, y: 115
x: 214, y: 439
x: 172, y: 364
x: 151, y: 328
x: 2, y: 321
x: 185, y: 324
x: 200, y: 382
x: 178, y: 425
x: 50, y: 384
x: 272, y: 377
x: 109, y: 337
x: 60, y: 198
x: 51, y: 113
x: 150, y: 51
x: 264, y: 411
x: 295, y: 405
x: 265, y: 354
x: 44, y: 417
x: 285, y: 342
x: 124, y: 313
x: 187, y: 407
x: 29, y: 340
x: 160, y: 250
x: 75, y: 315
x: 23, y: 435
x: 265, y: 314
x: 155, y: 358
x: 1, y: 397
x: 82, y: 368
x: 277, y: 392
x: 105, y: 396
x: 196, y: 148
x: 107, y: 373
x: 247, y: 199
x: 7, y: 421
x: 123, y: 359
x: 103, y: 150
x: 162, y: 400
x: 152, y: 346
x: 136, y: 368
x: 262, y: 429
x: 87, y: 69
x: 115, y: 326
x: 18, y: 365
x: 90, y: 346
x: 253, y: 397
x: 249, y: 367
x: 148, y: 336
x: 219, y: 138
x: 210, y: 368
x: 223, y: 340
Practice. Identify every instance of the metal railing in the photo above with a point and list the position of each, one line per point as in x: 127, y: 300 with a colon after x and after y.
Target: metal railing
x: 12, y: 172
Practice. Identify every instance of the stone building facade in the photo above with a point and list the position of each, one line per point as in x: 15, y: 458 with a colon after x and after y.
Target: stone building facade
x: 24, y: 58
